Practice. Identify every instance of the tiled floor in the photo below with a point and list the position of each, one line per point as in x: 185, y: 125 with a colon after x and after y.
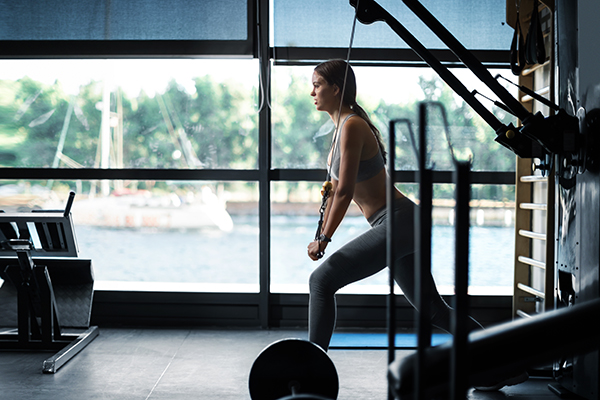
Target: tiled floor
x: 193, y: 364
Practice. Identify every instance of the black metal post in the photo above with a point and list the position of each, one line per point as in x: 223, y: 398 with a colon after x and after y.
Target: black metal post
x: 391, y: 253
x: 264, y: 163
x: 459, y: 359
x: 423, y: 255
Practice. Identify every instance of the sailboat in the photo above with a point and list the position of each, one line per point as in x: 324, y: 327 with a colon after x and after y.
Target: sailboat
x: 142, y: 209
x: 117, y: 206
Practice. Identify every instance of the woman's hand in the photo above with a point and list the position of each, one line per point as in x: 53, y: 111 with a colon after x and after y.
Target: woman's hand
x: 315, y: 249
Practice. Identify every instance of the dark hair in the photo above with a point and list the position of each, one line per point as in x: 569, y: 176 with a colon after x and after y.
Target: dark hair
x: 333, y: 71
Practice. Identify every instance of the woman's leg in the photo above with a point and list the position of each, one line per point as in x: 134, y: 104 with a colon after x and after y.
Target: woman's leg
x: 361, y: 258
x: 404, y: 272
x: 440, y: 310
x: 356, y: 260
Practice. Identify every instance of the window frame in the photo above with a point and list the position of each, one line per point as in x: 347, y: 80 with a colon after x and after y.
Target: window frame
x: 263, y: 307
x: 125, y: 48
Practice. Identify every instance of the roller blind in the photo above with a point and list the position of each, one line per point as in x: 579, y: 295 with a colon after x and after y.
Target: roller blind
x: 477, y: 24
x: 107, y: 20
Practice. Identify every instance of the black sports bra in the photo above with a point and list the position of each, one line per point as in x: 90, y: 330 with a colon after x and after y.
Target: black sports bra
x: 366, y: 169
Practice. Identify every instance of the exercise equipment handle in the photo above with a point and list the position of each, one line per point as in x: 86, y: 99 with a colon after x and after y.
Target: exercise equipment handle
x: 69, y: 203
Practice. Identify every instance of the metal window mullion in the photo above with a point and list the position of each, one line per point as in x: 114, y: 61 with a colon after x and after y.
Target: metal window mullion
x: 374, y: 56
x: 477, y: 177
x: 100, y: 49
x: 264, y: 166
x: 423, y: 259
x: 135, y: 174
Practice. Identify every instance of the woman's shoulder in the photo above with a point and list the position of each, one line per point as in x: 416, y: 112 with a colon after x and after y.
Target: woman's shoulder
x: 355, y: 123
x: 356, y: 127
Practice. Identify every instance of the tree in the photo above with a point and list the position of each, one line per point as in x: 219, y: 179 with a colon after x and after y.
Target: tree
x: 301, y: 135
x: 217, y: 127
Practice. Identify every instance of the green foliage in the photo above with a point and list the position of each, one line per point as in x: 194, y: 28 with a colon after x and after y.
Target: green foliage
x: 217, y: 127
x: 301, y: 135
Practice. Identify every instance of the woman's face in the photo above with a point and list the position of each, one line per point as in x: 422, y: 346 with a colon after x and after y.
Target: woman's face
x: 324, y: 94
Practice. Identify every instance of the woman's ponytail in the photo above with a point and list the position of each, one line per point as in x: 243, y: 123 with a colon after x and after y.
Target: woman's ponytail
x: 358, y: 110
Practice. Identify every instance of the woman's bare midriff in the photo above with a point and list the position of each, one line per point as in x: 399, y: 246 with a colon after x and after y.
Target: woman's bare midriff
x: 370, y: 196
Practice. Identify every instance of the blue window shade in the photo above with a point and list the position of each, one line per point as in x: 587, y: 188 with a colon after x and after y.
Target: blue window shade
x: 124, y: 20
x: 477, y: 24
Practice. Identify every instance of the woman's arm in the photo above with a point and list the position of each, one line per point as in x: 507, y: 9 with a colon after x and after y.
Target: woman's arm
x: 329, y: 202
x: 317, y: 247
x: 351, y: 144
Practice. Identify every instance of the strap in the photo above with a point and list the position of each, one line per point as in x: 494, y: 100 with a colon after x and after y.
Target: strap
x: 337, y: 138
x: 517, y: 55
x: 337, y: 125
x: 535, y: 51
x: 327, y: 185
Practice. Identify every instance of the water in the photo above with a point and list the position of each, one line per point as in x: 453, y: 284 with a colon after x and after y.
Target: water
x: 212, y: 256
x: 207, y: 256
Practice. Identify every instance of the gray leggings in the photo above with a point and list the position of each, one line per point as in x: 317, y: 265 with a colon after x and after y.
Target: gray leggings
x: 363, y: 257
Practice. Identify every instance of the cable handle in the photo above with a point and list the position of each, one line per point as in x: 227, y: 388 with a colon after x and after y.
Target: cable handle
x: 325, y: 192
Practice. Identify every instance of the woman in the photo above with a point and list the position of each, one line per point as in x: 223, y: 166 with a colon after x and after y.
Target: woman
x: 357, y: 165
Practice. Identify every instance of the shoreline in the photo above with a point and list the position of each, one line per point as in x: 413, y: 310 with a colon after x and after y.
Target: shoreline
x: 483, y: 212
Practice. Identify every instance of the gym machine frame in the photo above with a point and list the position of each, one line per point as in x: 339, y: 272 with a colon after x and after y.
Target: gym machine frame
x: 423, y: 226
x: 38, y: 320
x: 540, y: 137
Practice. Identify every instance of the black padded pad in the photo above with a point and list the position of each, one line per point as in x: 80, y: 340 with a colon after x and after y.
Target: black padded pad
x: 73, y: 285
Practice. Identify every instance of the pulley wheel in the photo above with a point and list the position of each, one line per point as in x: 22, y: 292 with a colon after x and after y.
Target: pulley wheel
x: 294, y: 369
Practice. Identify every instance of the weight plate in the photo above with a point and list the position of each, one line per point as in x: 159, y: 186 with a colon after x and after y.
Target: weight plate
x: 291, y: 363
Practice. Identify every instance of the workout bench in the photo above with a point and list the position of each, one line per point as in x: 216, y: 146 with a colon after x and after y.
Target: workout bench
x: 47, y: 290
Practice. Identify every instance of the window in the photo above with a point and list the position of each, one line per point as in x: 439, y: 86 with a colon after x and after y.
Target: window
x: 156, y: 235
x: 74, y: 116
x: 148, y: 113
x: 302, y: 137
x: 294, y: 222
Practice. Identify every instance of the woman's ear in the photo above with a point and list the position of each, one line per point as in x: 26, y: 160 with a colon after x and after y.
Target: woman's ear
x: 336, y: 90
